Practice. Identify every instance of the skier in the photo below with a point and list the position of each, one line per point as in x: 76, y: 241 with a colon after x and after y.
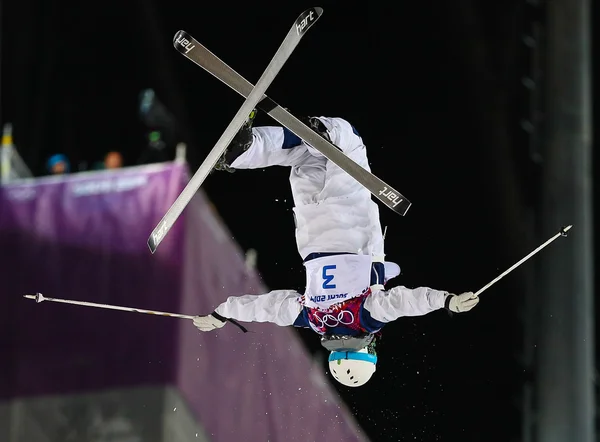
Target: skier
x: 340, y: 240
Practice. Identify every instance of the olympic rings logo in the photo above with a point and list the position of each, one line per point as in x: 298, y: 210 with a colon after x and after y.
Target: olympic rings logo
x: 344, y: 317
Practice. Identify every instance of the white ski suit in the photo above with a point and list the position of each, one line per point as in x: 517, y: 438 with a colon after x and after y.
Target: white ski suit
x: 339, y: 237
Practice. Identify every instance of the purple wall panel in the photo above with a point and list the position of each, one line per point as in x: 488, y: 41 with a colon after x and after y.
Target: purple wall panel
x: 84, y: 237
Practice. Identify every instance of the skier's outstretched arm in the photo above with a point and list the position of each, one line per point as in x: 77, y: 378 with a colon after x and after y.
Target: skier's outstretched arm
x: 270, y: 146
x: 387, y: 306
x: 281, y: 307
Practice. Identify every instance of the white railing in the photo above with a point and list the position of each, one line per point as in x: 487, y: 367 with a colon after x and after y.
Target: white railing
x: 12, y: 166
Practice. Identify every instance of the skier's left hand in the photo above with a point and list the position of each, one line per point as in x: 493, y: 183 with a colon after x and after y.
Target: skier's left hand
x: 208, y: 323
x: 461, y: 303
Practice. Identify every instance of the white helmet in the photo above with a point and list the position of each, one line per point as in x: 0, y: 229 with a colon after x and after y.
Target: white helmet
x: 352, y: 368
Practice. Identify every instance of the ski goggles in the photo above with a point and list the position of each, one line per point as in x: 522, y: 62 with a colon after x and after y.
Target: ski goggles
x: 337, y: 355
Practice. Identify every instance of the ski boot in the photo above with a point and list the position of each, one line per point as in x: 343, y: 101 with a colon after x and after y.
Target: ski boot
x: 240, y: 144
x: 317, y: 125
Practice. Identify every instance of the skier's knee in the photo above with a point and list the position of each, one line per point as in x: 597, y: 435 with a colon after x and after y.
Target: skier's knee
x: 316, y: 125
x: 291, y: 140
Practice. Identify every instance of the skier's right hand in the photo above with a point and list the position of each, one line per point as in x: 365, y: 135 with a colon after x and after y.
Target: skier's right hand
x: 208, y: 323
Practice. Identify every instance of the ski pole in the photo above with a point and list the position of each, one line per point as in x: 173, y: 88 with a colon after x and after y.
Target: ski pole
x: 38, y: 297
x: 563, y: 232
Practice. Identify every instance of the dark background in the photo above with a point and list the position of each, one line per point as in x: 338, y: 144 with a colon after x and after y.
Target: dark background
x: 435, y: 90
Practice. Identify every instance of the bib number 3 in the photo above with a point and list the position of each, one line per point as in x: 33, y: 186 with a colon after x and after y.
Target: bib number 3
x: 327, y: 277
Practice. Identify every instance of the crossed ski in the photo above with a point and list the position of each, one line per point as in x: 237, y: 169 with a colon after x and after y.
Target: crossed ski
x: 255, y: 97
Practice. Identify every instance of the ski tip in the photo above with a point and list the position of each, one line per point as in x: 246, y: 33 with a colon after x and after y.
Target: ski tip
x: 158, y: 234
x: 400, y: 207
x: 152, y: 245
x: 404, y: 206
x: 307, y: 19
x: 178, y: 35
x: 182, y: 41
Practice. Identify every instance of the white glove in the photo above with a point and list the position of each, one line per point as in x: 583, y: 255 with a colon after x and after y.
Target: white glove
x: 461, y: 303
x: 208, y: 323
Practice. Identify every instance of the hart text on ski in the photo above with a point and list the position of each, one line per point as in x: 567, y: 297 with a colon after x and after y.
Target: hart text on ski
x: 185, y: 43
x: 160, y: 233
x: 300, y: 26
x: 395, y: 199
